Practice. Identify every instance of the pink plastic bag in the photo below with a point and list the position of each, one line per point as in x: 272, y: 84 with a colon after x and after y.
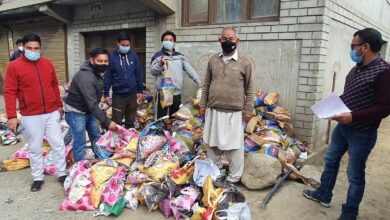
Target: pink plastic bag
x: 49, y: 162
x: 111, y: 141
x: 173, y: 144
x: 80, y: 189
x: 21, y: 154
x: 136, y: 177
x: 114, y: 187
x: 183, y: 203
x: 165, y: 208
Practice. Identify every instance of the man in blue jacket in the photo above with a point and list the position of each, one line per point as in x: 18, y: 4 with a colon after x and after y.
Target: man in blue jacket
x: 125, y: 78
x: 17, y: 53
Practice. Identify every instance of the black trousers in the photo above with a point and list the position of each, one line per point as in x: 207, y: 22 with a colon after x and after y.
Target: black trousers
x: 126, y: 107
x: 161, y: 112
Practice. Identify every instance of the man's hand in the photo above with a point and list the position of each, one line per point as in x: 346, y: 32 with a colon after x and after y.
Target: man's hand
x: 202, y: 111
x: 61, y: 111
x: 164, y: 63
x: 200, y: 85
x: 112, y: 126
x: 343, y: 118
x: 108, y: 100
x: 247, y: 117
x: 13, y: 124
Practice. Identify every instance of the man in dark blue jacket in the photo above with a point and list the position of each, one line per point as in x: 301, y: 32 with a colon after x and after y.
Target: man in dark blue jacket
x: 17, y: 53
x: 125, y: 78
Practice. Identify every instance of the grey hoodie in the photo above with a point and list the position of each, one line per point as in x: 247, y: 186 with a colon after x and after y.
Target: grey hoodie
x: 177, y: 63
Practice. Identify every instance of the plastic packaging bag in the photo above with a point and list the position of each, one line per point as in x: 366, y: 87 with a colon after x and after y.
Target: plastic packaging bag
x: 187, y: 111
x: 101, y: 172
x: 165, y: 163
x: 203, y: 169
x: 116, y: 209
x: 230, y: 196
x: 165, y: 208
x: 238, y: 211
x: 182, y: 175
x: 136, y: 177
x: 152, y: 193
x: 166, y: 92
x: 211, y: 196
x: 182, y: 204
x: 79, y: 190
x: 131, y: 199
x: 152, y: 139
x: 114, y: 188
x: 272, y: 98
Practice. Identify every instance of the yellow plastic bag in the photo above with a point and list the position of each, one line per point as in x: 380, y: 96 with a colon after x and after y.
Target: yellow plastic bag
x: 125, y: 161
x: 132, y: 146
x: 183, y: 175
x: 159, y: 170
x: 96, y: 193
x: 101, y: 172
x: 15, y: 164
x: 210, y: 194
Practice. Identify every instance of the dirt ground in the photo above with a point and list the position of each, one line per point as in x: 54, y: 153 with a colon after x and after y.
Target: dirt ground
x: 287, y: 203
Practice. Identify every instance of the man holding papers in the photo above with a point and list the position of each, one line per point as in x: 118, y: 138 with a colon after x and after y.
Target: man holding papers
x: 367, y: 96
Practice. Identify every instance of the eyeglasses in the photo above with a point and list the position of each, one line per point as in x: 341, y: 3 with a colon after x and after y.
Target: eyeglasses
x: 354, y: 45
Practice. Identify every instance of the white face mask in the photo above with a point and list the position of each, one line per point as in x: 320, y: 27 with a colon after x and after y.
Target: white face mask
x: 20, y: 48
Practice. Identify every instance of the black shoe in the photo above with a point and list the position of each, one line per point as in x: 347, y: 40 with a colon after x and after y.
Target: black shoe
x: 37, y: 185
x: 310, y: 195
x: 61, y: 179
x: 347, y: 216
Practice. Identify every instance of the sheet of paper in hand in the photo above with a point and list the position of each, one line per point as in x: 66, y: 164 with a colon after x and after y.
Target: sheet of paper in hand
x: 330, y: 106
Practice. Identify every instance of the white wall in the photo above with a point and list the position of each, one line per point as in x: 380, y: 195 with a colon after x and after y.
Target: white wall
x: 275, y: 65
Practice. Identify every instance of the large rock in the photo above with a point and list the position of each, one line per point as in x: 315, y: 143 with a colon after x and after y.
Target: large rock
x: 260, y: 171
x: 310, y: 171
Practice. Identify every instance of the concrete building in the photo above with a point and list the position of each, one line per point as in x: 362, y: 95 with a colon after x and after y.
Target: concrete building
x: 299, y: 48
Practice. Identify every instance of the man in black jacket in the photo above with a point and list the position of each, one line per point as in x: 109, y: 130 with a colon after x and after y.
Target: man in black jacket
x: 82, y: 102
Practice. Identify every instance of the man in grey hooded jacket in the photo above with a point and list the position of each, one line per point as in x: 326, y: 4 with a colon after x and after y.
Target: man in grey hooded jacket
x: 176, y: 63
x: 82, y: 102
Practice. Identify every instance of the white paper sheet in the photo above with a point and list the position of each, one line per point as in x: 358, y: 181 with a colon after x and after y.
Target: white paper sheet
x: 330, y: 106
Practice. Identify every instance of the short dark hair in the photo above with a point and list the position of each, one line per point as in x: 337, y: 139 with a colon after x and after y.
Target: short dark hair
x: 97, y: 51
x: 122, y: 36
x: 168, y: 33
x: 372, y: 37
x: 31, y: 37
x: 18, y: 41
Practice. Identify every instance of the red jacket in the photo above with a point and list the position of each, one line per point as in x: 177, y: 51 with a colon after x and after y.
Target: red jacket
x: 34, y: 84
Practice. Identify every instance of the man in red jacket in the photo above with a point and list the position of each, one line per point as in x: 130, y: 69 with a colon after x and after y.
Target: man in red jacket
x: 32, y: 80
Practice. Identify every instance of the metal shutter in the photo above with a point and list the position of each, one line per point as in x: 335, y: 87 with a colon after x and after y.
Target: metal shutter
x: 4, y: 57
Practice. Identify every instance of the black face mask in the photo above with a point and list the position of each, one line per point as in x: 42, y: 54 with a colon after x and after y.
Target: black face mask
x: 99, y: 68
x: 228, y: 46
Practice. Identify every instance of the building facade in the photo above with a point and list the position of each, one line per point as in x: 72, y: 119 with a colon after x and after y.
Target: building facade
x: 298, y: 48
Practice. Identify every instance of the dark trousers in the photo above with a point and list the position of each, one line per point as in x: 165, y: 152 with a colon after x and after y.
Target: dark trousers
x: 161, y: 112
x: 358, y: 144
x: 126, y: 107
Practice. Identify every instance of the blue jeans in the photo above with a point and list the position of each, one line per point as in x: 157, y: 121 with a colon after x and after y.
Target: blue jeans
x: 78, y: 124
x: 359, y: 145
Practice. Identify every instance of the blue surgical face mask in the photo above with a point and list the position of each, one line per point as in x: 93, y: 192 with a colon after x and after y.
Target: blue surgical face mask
x: 168, y: 45
x: 354, y: 57
x: 31, y: 55
x: 123, y: 49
